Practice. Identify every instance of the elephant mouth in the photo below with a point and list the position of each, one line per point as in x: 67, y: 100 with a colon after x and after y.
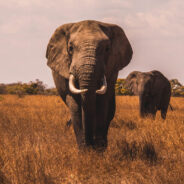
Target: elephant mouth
x: 74, y: 90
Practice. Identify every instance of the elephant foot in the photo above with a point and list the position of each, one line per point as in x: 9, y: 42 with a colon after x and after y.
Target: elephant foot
x: 143, y: 115
x: 148, y: 114
x: 163, y: 114
x: 152, y: 115
x: 100, y: 144
x: 100, y: 148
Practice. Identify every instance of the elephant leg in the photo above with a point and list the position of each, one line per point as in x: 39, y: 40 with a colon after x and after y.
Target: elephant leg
x: 144, y: 112
x: 153, y: 108
x: 163, y: 113
x: 164, y: 104
x: 100, y: 134
x: 143, y: 109
x: 73, y: 102
x: 153, y: 114
x: 105, y: 113
x: 100, y: 128
x: 148, y: 108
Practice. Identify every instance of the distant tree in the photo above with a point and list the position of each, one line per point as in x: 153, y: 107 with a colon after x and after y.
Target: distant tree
x: 3, y: 89
x: 177, y: 88
x: 175, y: 84
x: 51, y: 91
x: 31, y: 88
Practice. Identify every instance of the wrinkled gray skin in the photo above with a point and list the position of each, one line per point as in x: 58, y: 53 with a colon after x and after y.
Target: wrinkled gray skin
x: 88, y: 50
x: 154, y: 91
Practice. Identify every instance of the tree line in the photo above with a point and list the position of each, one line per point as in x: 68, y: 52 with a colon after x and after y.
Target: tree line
x: 37, y: 87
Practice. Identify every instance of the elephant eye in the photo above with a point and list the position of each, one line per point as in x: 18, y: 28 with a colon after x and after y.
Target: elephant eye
x: 70, y: 49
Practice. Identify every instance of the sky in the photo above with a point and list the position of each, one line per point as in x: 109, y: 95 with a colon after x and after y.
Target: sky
x: 155, y: 29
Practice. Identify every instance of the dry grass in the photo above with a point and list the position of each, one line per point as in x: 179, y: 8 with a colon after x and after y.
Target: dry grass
x: 36, y: 147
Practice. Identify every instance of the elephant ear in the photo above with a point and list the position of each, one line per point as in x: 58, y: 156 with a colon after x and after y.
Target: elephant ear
x: 121, y: 50
x: 131, y: 83
x: 57, y: 54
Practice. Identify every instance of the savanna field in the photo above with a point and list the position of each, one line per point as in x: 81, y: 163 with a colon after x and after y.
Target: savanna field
x: 36, y: 146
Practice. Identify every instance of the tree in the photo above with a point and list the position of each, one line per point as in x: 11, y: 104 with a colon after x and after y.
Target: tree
x: 3, y: 89
x: 177, y: 88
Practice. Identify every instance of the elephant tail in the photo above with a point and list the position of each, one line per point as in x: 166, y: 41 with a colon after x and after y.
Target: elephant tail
x: 171, y: 107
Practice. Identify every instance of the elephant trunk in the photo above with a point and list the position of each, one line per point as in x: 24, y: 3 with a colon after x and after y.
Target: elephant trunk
x: 87, y: 79
x: 88, y: 101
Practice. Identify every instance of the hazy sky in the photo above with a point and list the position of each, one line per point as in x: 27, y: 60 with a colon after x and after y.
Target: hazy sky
x: 155, y: 29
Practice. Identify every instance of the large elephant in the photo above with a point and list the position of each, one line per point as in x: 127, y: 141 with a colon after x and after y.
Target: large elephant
x: 85, y: 58
x: 154, y: 91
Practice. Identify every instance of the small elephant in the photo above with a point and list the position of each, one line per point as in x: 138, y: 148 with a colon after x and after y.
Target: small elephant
x: 85, y: 58
x: 154, y: 91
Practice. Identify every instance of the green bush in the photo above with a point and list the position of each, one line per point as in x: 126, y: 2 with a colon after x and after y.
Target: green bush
x: 1, y: 98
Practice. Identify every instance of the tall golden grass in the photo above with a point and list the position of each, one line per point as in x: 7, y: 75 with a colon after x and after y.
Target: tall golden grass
x: 36, y: 146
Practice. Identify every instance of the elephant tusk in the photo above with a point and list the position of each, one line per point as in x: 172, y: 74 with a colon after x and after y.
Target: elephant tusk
x: 72, y: 87
x: 103, y: 88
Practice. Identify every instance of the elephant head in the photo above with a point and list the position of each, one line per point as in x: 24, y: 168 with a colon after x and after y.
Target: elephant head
x: 139, y: 83
x: 87, y: 56
x: 153, y: 90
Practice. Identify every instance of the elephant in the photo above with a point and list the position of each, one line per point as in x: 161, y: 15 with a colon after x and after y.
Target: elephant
x: 85, y: 58
x: 153, y: 89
